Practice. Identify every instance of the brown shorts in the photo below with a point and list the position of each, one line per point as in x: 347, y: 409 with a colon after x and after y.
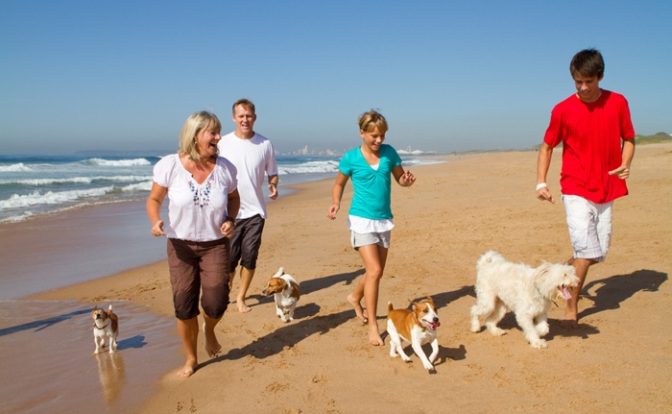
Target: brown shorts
x: 245, y: 242
x: 196, y: 266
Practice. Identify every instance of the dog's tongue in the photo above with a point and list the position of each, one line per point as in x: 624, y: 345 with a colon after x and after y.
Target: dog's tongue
x: 565, y: 293
x: 435, y: 325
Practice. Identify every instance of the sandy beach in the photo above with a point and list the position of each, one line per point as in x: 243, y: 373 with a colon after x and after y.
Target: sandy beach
x: 619, y: 360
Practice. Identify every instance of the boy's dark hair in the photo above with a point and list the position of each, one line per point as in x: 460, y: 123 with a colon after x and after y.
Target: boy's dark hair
x: 587, y: 62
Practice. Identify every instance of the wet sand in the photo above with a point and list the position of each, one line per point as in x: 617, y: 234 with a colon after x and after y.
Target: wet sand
x: 48, y: 366
x: 618, y: 360
x: 73, y: 246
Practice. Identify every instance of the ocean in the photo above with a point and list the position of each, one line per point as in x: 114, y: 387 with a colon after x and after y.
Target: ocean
x: 33, y: 186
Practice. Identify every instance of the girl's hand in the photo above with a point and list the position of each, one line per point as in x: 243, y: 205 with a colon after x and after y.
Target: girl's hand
x: 407, y: 179
x: 157, y: 228
x: 333, y: 210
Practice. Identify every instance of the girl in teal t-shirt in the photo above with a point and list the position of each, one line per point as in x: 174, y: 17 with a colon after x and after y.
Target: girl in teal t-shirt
x: 370, y: 166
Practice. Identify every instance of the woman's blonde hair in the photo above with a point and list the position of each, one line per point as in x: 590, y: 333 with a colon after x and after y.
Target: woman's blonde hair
x: 192, y: 126
x: 370, y: 120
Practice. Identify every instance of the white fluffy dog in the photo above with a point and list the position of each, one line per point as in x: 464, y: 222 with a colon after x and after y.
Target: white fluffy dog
x: 527, y: 291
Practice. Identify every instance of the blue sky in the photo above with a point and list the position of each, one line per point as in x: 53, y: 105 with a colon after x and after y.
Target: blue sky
x: 448, y: 75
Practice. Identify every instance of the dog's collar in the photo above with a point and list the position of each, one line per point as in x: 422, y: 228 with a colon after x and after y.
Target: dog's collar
x: 102, y: 327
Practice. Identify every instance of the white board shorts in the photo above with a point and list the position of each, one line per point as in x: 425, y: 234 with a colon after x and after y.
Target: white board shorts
x: 589, y: 227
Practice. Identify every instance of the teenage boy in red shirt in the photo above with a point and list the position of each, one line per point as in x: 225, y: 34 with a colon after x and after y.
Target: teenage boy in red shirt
x: 598, y: 145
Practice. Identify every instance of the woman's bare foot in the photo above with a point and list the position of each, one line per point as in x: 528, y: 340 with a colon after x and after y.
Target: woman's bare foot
x: 188, y: 369
x: 359, y: 311
x: 212, y: 346
x: 374, y: 337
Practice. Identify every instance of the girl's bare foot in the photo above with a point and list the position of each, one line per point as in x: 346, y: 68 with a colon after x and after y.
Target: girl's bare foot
x: 359, y: 311
x: 212, y: 346
x: 188, y: 369
x: 374, y: 337
x: 242, y: 307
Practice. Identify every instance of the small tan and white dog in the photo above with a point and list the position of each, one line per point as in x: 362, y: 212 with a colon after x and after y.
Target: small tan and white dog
x: 417, y: 326
x: 286, y: 293
x: 105, y: 326
x: 527, y: 291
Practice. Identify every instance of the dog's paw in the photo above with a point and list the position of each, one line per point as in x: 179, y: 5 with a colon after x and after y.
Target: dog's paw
x: 542, y: 328
x: 475, y: 327
x: 428, y: 366
x: 496, y: 331
x: 538, y: 343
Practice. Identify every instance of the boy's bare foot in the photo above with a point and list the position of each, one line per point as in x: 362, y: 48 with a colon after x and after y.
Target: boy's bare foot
x: 374, y: 337
x: 569, y: 323
x: 212, y: 346
x: 359, y: 311
x: 188, y: 369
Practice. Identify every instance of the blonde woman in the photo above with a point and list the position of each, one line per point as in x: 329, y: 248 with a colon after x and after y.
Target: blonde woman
x: 203, y: 199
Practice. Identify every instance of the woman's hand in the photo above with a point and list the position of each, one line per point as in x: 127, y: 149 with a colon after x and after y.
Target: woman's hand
x: 228, y: 227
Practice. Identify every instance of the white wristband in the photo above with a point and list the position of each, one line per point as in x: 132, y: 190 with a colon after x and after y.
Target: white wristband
x: 540, y: 186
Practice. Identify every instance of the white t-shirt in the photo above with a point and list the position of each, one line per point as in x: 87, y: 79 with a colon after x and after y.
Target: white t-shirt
x: 196, y: 211
x: 253, y: 158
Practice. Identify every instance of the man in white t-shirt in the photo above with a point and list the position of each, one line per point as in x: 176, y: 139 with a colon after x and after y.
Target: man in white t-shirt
x: 253, y: 156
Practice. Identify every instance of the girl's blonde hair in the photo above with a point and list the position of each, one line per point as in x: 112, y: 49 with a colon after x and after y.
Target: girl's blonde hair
x: 370, y: 120
x: 192, y: 126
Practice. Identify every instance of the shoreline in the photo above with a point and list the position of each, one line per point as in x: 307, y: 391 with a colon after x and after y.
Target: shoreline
x: 456, y: 211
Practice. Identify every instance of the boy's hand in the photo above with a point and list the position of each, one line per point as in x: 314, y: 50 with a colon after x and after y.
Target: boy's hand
x: 622, y: 172
x: 544, y: 194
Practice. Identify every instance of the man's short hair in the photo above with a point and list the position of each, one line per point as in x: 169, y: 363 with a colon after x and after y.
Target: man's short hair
x: 244, y: 102
x: 588, y: 62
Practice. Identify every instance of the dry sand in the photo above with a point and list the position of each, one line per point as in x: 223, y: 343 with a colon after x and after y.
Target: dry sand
x: 618, y: 361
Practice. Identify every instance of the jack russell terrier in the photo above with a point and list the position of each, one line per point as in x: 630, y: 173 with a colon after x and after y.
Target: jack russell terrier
x: 416, y: 326
x: 285, y: 291
x: 105, y: 326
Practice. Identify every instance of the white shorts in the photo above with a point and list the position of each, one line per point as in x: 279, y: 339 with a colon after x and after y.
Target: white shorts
x: 364, y: 239
x: 589, y: 227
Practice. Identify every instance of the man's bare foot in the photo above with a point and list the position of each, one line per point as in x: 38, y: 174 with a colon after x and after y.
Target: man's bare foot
x: 242, y: 307
x: 359, y: 311
x: 374, y: 337
x: 188, y: 369
x: 212, y: 346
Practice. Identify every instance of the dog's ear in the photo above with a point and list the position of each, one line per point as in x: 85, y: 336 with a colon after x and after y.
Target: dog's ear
x: 543, y: 269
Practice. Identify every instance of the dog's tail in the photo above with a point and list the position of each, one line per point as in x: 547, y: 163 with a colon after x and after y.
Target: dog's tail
x: 390, y: 308
x: 488, y: 257
x: 280, y: 272
x: 109, y: 308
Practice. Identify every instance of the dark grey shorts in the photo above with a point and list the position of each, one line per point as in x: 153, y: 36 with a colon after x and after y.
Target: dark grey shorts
x: 196, y: 267
x: 245, y: 242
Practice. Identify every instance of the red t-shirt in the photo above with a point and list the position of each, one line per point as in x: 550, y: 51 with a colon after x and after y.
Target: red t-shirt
x: 591, y: 136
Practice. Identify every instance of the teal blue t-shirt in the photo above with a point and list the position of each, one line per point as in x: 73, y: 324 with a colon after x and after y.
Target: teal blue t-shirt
x: 372, y: 188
